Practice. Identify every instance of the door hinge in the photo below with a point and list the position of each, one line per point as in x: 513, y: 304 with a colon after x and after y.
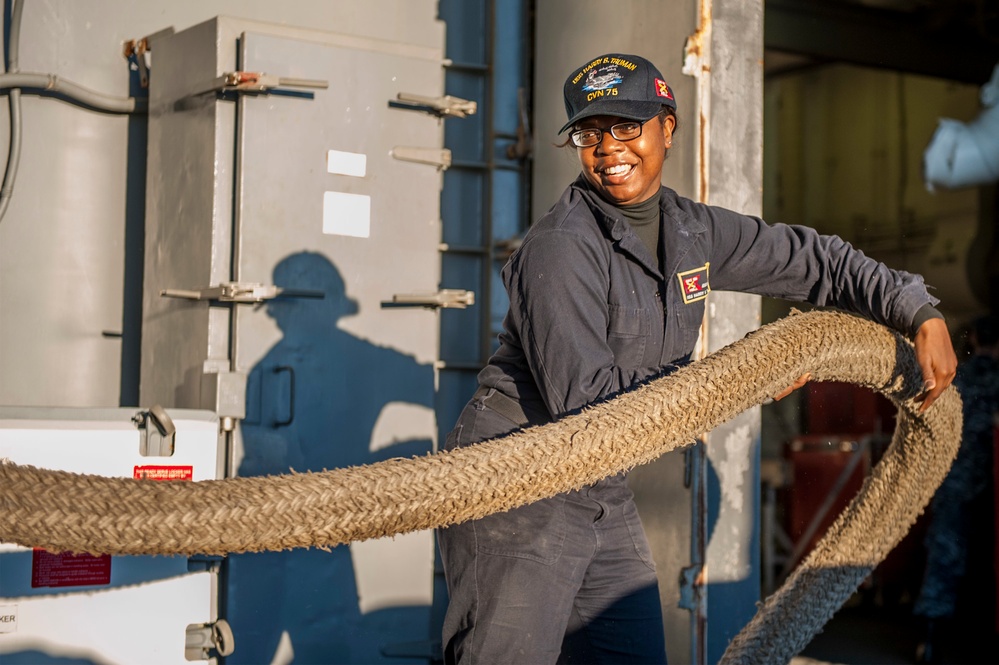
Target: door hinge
x: 135, y: 50
x: 224, y: 392
x: 201, y: 639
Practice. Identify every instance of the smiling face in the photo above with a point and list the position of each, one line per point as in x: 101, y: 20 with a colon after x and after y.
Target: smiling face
x: 626, y: 172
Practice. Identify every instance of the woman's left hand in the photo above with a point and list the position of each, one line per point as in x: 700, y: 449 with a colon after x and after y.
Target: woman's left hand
x: 936, y: 358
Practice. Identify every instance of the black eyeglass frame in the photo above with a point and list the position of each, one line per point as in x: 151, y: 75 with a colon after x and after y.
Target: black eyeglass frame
x: 613, y: 129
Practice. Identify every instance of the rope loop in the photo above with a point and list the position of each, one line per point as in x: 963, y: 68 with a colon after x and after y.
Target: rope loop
x: 62, y: 511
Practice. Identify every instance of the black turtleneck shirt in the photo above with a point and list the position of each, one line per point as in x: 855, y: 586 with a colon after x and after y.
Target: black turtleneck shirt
x: 643, y: 218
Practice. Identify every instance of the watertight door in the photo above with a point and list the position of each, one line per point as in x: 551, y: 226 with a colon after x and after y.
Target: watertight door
x: 337, y: 205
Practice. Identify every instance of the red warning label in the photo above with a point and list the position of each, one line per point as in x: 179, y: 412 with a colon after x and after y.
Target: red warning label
x: 163, y: 473
x: 67, y: 569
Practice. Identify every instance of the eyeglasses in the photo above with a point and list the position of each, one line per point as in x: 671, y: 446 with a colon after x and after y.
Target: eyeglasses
x: 622, y: 131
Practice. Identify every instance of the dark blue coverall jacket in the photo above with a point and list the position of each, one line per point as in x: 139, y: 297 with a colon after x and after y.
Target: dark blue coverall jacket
x: 591, y: 314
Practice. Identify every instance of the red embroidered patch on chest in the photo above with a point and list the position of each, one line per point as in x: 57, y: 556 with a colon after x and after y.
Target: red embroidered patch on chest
x: 694, y: 284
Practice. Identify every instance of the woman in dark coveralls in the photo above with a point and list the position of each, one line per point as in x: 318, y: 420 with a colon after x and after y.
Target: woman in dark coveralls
x: 607, y: 291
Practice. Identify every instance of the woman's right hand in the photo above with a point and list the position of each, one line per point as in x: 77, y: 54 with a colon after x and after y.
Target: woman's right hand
x: 802, y: 380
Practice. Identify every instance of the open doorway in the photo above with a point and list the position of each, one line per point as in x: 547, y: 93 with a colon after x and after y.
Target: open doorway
x: 848, y: 115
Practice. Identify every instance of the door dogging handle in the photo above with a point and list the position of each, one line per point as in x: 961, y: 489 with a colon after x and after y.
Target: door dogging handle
x: 445, y: 298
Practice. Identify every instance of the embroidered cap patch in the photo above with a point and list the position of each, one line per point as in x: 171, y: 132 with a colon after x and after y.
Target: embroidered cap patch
x: 694, y: 284
x: 662, y: 89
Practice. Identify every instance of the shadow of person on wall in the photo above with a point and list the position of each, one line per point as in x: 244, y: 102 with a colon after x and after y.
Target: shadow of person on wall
x: 314, y: 402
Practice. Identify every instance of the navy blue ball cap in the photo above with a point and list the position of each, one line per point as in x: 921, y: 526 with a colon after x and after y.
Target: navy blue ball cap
x: 618, y: 84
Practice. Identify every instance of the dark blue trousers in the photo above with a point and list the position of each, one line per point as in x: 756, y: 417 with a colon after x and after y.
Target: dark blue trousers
x: 565, y: 580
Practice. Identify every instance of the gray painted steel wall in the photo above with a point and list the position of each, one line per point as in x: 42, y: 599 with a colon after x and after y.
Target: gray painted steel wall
x: 68, y: 241
x: 79, y: 196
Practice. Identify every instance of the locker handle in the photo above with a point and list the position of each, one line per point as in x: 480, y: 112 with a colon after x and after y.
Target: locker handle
x: 162, y: 420
x: 291, y: 395
x: 158, y: 440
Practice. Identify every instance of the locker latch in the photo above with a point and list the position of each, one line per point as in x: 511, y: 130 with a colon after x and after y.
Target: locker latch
x: 445, y: 298
x: 442, y: 107
x: 158, y: 432
x: 203, y: 638
x: 249, y: 292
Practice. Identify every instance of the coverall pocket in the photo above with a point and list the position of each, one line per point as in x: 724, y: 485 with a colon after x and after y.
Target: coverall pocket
x: 477, y: 423
x: 627, y: 332
x: 638, y: 537
x: 535, y: 532
x: 690, y: 318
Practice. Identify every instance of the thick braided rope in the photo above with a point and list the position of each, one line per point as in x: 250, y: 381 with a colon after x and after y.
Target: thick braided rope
x: 892, y: 497
x: 65, y: 511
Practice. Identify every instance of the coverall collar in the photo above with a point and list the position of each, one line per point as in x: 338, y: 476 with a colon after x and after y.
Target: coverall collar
x: 614, y: 223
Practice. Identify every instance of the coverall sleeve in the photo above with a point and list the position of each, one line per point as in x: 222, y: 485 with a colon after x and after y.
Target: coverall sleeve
x: 558, y: 284
x: 797, y: 263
